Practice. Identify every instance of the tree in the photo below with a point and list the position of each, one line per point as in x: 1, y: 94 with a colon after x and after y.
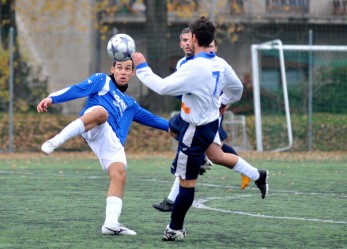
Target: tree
x: 28, y: 87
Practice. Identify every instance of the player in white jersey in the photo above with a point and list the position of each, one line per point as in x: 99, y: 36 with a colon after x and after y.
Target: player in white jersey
x: 176, y: 122
x: 200, y: 81
x: 104, y: 124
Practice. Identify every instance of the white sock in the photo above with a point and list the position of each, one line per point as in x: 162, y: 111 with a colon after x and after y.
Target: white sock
x: 71, y: 130
x: 174, y: 190
x: 113, y: 209
x: 246, y: 169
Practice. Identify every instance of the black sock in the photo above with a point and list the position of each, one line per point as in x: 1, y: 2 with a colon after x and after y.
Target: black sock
x: 183, y: 202
x: 228, y: 149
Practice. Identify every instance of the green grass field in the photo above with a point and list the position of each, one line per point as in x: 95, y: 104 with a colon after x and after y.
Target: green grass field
x: 58, y: 201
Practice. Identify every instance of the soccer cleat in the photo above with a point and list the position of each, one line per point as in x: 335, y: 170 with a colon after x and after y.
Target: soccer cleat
x: 119, y: 229
x: 49, y: 146
x: 245, y: 181
x: 206, y: 165
x: 262, y: 182
x: 165, y: 206
x: 170, y: 234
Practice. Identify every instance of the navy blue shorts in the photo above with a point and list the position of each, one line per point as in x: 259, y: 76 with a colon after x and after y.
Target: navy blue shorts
x: 222, y: 133
x: 192, y: 144
x: 176, y: 124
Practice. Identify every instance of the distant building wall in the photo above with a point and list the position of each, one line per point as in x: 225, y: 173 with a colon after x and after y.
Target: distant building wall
x: 61, y: 44
x: 67, y: 46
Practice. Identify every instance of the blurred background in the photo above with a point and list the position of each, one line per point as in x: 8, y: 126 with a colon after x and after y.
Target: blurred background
x: 47, y: 45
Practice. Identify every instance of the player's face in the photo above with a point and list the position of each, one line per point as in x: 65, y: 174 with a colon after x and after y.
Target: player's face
x: 213, y: 47
x: 123, y: 71
x: 185, y: 44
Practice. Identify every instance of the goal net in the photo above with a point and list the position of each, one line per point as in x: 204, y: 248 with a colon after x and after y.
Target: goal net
x: 234, y: 126
x: 293, y: 85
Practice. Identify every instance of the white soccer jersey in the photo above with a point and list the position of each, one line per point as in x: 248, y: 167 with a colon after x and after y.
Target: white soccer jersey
x: 200, y: 81
x: 183, y: 61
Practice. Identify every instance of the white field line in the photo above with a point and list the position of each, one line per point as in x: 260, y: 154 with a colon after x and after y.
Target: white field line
x: 200, y: 203
x: 255, y: 188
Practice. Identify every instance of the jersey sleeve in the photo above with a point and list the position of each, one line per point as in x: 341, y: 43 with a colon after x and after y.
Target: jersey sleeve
x: 91, y: 85
x: 144, y: 117
x: 174, y: 85
x: 232, y: 87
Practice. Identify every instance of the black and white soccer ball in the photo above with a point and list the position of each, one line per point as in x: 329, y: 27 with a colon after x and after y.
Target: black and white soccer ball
x: 120, y: 47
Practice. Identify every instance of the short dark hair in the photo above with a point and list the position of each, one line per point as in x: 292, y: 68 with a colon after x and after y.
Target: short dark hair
x: 184, y: 31
x: 204, y: 31
x: 115, y: 62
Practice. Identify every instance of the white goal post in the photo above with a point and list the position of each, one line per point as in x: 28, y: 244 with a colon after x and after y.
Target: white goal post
x: 277, y: 45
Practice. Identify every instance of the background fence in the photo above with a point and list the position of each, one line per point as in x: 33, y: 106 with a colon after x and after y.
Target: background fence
x: 53, y: 51
x: 315, y: 79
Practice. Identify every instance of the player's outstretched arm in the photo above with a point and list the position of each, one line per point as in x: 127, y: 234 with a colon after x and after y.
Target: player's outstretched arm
x: 44, y: 104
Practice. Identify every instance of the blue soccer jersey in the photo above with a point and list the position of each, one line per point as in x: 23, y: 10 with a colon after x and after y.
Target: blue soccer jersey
x: 100, y: 90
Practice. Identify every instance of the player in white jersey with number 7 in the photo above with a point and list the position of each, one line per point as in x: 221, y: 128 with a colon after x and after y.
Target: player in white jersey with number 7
x: 200, y: 81
x: 176, y: 122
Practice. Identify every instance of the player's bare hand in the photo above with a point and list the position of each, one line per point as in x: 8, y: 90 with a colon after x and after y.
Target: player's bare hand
x: 44, y: 104
x: 222, y: 109
x: 138, y: 58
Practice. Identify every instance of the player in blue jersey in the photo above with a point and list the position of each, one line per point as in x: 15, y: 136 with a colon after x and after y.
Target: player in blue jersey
x: 104, y: 123
x: 176, y: 123
x: 200, y: 81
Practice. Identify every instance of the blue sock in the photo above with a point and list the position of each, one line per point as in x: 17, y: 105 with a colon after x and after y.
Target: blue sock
x: 183, y: 202
x: 228, y: 149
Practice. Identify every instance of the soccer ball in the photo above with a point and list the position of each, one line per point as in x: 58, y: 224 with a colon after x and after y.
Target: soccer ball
x: 120, y: 47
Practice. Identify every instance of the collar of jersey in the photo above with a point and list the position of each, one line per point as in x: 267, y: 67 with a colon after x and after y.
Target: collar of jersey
x: 205, y: 55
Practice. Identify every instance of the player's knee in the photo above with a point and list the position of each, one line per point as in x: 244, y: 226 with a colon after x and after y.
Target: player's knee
x: 101, y: 115
x: 214, y: 158
x: 116, y: 171
x: 188, y: 183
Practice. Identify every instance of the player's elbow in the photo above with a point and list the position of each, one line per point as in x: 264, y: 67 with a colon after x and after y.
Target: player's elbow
x: 238, y: 97
x: 239, y: 92
x: 161, y: 91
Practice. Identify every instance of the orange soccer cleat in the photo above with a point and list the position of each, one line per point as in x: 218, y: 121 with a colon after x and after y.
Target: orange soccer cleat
x: 245, y: 181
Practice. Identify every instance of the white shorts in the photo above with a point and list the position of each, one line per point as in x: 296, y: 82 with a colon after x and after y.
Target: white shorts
x: 105, y: 144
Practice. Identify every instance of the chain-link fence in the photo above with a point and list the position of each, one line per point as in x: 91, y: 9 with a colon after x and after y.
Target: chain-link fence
x: 54, y: 49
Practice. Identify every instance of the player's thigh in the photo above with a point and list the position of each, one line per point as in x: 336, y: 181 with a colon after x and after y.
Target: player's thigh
x: 106, y: 145
x: 177, y: 124
x: 191, y: 149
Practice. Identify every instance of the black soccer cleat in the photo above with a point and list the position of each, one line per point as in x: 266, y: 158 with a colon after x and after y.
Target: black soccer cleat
x: 262, y: 182
x: 165, y: 206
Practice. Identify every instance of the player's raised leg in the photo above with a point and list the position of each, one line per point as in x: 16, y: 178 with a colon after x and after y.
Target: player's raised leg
x: 239, y: 165
x: 92, y: 117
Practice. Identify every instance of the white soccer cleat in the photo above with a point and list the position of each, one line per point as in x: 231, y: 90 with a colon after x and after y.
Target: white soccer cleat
x: 207, y: 164
x: 118, y: 229
x: 48, y: 147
